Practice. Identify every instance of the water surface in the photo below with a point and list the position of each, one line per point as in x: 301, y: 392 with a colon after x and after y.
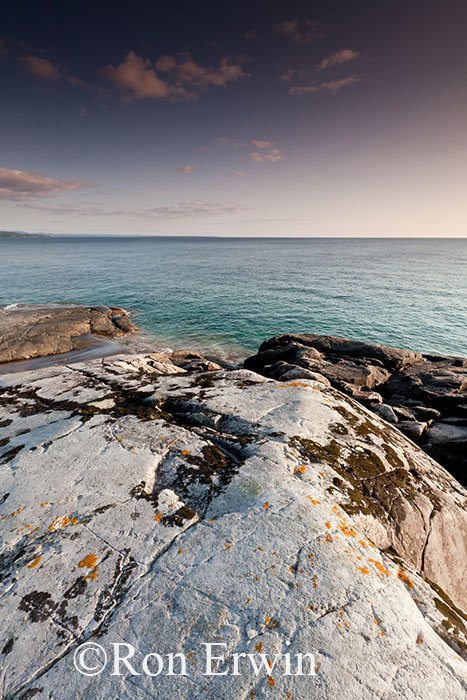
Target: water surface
x: 230, y: 294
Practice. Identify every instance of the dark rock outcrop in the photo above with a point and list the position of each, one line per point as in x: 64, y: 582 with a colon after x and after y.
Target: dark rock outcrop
x: 425, y: 396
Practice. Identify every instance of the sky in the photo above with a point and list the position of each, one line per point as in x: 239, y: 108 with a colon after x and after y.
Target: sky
x: 326, y: 118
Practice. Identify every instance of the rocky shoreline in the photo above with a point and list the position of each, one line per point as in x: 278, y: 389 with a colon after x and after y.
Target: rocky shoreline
x: 41, y: 331
x: 163, y: 501
x: 424, y: 396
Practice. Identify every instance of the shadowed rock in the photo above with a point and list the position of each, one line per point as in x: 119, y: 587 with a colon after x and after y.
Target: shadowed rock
x: 425, y: 396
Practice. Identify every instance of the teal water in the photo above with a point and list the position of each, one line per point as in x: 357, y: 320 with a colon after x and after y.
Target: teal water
x: 231, y: 294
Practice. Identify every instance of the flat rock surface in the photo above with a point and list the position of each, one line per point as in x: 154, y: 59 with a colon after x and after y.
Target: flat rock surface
x: 37, y: 332
x: 144, y: 504
x: 417, y: 387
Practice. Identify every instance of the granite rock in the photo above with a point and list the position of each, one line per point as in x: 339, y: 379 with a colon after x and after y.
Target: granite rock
x: 419, y: 387
x: 37, y: 332
x: 146, y: 505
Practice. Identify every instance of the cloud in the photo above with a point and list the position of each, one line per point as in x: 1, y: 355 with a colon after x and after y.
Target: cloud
x: 186, y: 169
x: 263, y: 144
x: 251, y: 34
x: 289, y: 74
x: 165, y: 63
x: 44, y: 69
x: 137, y: 77
x: 181, y: 210
x: 239, y: 173
x: 332, y: 86
x: 19, y: 185
x: 344, y: 56
x: 40, y: 68
x: 271, y: 157
x: 191, y: 73
x: 221, y: 141
x: 299, y: 32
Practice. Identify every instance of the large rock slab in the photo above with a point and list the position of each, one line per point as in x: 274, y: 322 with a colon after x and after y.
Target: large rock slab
x: 417, y: 387
x: 145, y: 505
x: 38, y: 332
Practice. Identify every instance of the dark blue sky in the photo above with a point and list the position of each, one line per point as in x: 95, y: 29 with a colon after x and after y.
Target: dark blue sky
x: 247, y: 118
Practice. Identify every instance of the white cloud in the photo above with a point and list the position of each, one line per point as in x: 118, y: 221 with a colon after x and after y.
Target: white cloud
x: 332, y: 86
x: 344, y: 56
x: 137, y: 77
x: 19, y: 185
x: 262, y: 144
x: 186, y: 169
x: 270, y: 157
x: 180, y: 210
x: 239, y: 173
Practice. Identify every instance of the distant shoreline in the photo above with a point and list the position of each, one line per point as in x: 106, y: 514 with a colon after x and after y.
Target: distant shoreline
x: 23, y: 234
x: 18, y: 234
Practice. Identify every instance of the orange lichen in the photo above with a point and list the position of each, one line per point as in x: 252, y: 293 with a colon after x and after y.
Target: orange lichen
x: 314, y: 501
x: 92, y: 575
x: 259, y: 647
x: 403, y: 577
x: 45, y: 503
x: 272, y: 624
x: 363, y: 544
x: 158, y: 517
x: 34, y: 562
x: 266, y: 505
x: 180, y: 551
x: 293, y: 384
x: 347, y: 530
x: 300, y: 470
x: 380, y: 567
x: 185, y: 452
x: 227, y: 546
x: 378, y: 624
x: 363, y: 569
x: 328, y: 538
x: 64, y: 521
x: 420, y: 639
x: 89, y: 561
x: 271, y: 683
x: 328, y: 525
